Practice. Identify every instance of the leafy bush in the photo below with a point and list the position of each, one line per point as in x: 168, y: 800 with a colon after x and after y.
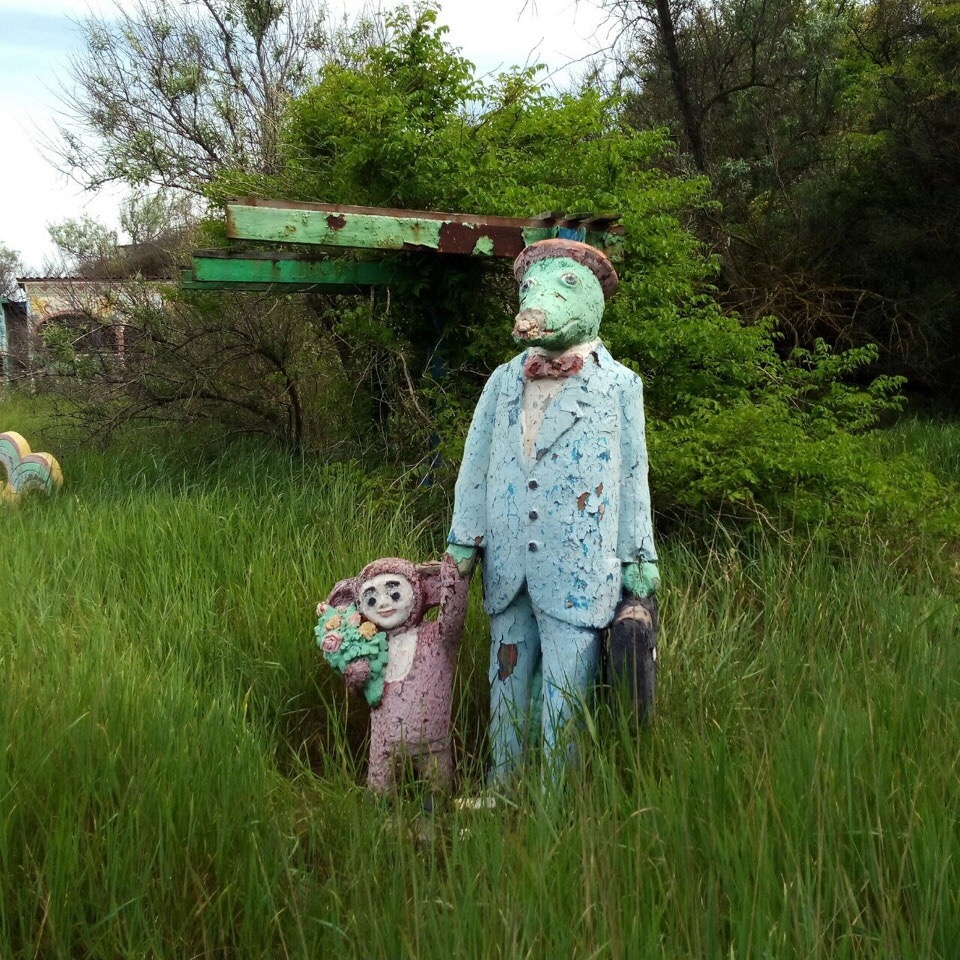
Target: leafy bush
x: 735, y: 426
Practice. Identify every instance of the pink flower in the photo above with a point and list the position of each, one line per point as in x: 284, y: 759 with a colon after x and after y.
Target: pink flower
x: 322, y: 608
x: 331, y: 642
x: 354, y: 619
x: 357, y: 673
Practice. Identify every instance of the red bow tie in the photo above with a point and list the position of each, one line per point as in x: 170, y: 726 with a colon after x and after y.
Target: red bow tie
x: 538, y: 366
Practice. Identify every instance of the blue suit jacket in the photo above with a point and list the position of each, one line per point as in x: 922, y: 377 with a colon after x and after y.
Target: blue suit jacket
x: 566, y: 520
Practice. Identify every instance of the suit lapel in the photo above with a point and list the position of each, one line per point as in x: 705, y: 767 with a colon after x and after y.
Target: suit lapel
x: 564, y: 411
x: 513, y: 403
x: 571, y: 404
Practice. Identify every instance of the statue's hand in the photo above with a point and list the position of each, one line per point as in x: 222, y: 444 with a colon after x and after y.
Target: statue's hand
x: 464, y: 557
x: 641, y: 579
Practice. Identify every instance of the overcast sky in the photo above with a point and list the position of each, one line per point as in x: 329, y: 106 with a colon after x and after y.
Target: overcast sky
x: 37, y: 39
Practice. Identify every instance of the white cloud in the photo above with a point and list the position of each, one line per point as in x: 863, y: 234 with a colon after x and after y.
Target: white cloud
x: 513, y: 32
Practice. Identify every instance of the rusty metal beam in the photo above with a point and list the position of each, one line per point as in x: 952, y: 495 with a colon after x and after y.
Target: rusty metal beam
x: 389, y: 229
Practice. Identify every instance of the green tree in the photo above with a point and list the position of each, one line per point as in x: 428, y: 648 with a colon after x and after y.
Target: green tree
x: 10, y: 266
x: 159, y: 225
x: 827, y: 131
x: 736, y: 424
x: 166, y: 93
x: 893, y: 219
x: 754, y: 92
x: 85, y: 246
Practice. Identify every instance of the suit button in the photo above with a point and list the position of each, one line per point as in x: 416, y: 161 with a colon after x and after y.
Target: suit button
x: 532, y: 546
x: 532, y: 484
x: 534, y: 515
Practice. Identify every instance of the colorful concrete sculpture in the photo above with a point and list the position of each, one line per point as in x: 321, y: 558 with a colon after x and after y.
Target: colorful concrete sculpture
x: 553, y: 496
x: 26, y: 472
x: 406, y: 668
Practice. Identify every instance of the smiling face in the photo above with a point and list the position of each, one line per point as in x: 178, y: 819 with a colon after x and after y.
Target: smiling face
x: 387, y: 600
x: 561, y: 304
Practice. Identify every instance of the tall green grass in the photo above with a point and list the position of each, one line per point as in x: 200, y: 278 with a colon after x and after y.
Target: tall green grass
x: 179, y: 777
x: 935, y: 440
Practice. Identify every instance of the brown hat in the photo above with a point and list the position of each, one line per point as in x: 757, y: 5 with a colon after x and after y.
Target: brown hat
x: 590, y: 257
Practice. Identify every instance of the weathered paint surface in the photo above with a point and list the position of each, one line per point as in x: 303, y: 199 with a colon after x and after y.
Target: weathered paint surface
x: 87, y: 308
x: 390, y: 229
x: 25, y: 471
x: 561, y: 523
x: 353, y: 646
x: 413, y: 717
x: 333, y: 230
x: 556, y: 529
x: 219, y: 270
x: 561, y: 305
x: 53, y: 297
x: 189, y: 283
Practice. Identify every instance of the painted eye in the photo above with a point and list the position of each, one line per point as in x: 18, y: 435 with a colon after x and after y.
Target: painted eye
x: 570, y: 279
x: 526, y: 285
x: 371, y: 601
x: 395, y: 596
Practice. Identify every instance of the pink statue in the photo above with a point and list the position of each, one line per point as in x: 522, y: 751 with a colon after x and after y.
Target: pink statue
x: 411, y: 719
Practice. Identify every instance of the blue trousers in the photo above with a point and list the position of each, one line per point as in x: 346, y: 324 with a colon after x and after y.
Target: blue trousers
x: 541, y: 672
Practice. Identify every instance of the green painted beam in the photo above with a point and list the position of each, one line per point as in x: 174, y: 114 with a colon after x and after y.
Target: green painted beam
x: 282, y: 291
x: 374, y: 228
x: 188, y: 282
x: 211, y: 267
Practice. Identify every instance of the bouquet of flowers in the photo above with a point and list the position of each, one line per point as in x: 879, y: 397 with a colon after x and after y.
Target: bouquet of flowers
x: 345, y: 637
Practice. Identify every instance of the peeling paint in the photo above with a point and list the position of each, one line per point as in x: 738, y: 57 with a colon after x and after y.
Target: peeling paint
x: 483, y: 247
x: 559, y: 527
x: 507, y: 658
x: 366, y: 231
x: 470, y: 234
x: 25, y: 471
x: 532, y: 235
x: 413, y: 717
x: 566, y: 300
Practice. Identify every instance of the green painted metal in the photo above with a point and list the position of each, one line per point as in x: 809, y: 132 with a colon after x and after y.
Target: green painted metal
x: 213, y: 267
x: 483, y: 247
x: 189, y: 283
x: 307, y: 226
x: 383, y: 229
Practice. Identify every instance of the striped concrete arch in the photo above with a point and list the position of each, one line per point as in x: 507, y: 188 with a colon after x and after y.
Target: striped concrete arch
x: 109, y: 339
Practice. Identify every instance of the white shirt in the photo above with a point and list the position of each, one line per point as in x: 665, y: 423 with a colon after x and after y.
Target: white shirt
x: 538, y: 393
x: 402, y: 648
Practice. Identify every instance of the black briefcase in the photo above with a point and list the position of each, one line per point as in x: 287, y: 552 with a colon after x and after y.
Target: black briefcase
x: 632, y: 652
